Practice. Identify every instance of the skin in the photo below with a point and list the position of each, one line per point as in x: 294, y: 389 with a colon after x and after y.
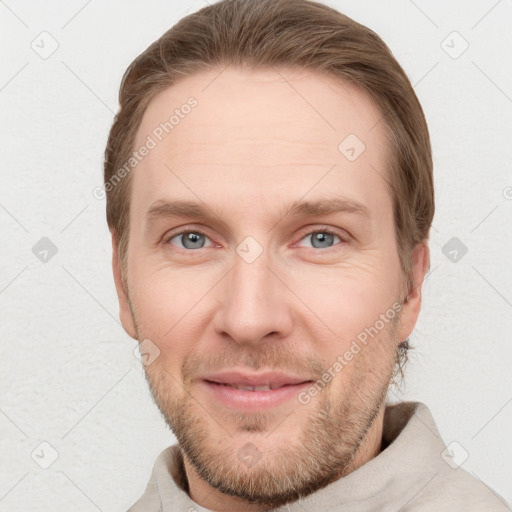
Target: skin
x: 250, y: 147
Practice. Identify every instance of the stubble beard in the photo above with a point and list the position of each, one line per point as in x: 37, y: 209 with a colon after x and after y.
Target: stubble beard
x: 335, y: 431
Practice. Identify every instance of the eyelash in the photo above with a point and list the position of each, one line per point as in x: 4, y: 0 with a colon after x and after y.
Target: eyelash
x: 325, y: 230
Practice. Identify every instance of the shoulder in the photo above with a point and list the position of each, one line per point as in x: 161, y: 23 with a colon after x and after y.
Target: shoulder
x: 165, y: 483
x: 454, y: 489
x: 430, y: 478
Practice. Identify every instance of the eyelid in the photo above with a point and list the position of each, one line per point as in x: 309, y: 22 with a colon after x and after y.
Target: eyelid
x: 341, y: 234
x: 169, y: 236
x: 345, y: 237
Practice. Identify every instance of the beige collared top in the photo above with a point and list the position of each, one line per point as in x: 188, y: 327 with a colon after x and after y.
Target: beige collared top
x: 411, y: 474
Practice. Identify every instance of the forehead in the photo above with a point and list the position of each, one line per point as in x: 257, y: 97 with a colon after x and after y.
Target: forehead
x: 261, y: 137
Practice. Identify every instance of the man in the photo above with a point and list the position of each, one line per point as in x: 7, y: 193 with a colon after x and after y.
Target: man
x: 270, y: 194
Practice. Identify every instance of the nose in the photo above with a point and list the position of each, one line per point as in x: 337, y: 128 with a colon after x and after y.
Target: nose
x: 253, y: 303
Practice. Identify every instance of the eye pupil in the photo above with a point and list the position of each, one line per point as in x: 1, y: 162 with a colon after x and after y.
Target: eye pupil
x: 192, y: 240
x: 321, y: 237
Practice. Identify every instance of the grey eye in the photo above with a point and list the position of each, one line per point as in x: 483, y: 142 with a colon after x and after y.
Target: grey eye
x: 190, y: 239
x: 321, y: 239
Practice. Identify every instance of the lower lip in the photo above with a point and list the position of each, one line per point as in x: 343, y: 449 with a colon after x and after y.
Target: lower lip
x: 254, y: 400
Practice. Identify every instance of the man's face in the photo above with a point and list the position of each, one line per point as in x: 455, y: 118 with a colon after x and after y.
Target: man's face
x: 252, y: 295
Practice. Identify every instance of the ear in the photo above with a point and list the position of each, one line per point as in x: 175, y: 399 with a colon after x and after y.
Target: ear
x: 420, y: 260
x: 125, y: 313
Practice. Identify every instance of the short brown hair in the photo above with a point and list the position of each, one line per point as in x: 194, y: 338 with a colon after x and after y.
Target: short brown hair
x: 294, y: 34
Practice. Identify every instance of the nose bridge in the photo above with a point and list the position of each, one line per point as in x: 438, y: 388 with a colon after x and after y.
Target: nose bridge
x: 252, y: 300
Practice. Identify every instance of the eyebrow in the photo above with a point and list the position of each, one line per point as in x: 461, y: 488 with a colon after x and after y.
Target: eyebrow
x: 325, y: 207
x: 191, y: 209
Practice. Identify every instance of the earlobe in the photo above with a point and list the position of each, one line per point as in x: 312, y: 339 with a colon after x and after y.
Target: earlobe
x: 125, y: 313
x: 420, y: 260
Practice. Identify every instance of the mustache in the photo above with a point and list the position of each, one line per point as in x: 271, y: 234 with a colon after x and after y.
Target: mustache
x: 271, y: 357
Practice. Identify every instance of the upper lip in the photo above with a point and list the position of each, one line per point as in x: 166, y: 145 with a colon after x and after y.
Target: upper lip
x: 272, y: 379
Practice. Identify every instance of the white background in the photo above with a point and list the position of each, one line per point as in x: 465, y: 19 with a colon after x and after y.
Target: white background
x: 69, y: 376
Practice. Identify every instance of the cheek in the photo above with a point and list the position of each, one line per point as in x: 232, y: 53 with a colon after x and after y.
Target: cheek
x: 175, y: 305
x: 169, y: 305
x: 347, y: 299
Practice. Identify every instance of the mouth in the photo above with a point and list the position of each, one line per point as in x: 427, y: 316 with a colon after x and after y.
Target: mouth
x: 249, y: 393
x: 241, y: 387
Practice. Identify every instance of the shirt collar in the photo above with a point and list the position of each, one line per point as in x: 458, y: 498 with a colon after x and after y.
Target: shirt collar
x: 411, y: 452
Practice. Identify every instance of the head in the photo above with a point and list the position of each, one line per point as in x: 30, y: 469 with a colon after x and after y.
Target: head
x: 276, y: 221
